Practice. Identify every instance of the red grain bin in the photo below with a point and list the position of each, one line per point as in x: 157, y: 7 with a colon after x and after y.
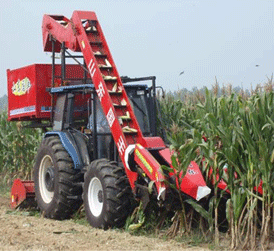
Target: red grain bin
x: 27, y: 95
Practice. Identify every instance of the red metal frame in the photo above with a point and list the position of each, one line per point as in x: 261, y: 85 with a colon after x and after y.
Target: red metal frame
x: 188, y: 182
x: 20, y: 191
x: 151, y: 167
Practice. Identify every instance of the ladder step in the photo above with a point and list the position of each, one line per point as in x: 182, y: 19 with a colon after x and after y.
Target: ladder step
x: 119, y: 105
x: 107, y: 65
x: 115, y: 89
x: 109, y: 78
x: 129, y: 130
x: 102, y: 66
x: 116, y: 93
x: 125, y: 117
x: 91, y: 29
x: 99, y: 54
x: 123, y: 103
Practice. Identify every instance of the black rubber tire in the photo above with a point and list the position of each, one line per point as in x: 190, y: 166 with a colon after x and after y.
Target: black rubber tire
x: 66, y: 198
x: 116, y: 194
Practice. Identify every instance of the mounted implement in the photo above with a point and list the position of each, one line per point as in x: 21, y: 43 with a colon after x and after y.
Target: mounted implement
x: 103, y: 145
x: 22, y: 191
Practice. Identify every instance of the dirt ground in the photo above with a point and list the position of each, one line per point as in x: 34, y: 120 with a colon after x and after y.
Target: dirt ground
x: 20, y: 231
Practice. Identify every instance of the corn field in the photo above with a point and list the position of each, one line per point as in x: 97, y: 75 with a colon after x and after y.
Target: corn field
x: 233, y: 133
x: 18, y: 150
x: 229, y: 135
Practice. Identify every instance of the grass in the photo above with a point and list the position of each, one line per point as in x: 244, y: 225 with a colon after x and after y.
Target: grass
x: 25, y: 212
x: 4, y: 189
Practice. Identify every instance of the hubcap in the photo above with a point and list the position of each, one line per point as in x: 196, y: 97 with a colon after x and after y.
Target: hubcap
x: 95, y: 196
x: 49, y: 179
x: 46, y: 179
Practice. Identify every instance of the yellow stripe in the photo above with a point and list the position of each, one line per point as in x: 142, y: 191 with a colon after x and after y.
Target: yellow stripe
x: 141, y: 157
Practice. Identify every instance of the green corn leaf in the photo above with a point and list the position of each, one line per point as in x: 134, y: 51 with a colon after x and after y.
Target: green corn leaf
x: 198, y: 208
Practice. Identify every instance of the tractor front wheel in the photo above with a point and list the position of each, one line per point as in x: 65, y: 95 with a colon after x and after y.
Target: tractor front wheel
x: 107, y: 194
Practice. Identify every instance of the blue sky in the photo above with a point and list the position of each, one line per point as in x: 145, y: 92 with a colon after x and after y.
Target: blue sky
x: 203, y: 38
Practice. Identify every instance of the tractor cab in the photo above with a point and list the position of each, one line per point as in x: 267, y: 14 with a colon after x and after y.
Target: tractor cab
x: 77, y: 110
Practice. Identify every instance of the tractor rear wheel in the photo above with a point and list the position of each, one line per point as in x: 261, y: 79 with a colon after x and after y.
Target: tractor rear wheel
x: 107, y: 195
x: 57, y: 193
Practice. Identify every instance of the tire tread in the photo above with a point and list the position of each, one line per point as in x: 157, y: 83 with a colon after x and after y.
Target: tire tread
x: 118, y: 193
x: 61, y: 208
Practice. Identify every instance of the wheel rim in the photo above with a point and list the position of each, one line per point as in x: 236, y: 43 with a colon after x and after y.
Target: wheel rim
x: 46, y: 179
x: 95, y: 196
